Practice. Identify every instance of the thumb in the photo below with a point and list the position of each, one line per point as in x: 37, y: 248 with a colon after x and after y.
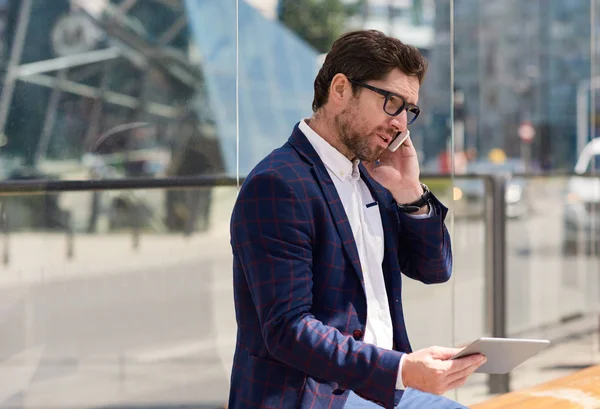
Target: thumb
x: 444, y: 353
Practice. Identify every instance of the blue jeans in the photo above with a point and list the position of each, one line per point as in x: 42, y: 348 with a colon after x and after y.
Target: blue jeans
x: 411, y: 399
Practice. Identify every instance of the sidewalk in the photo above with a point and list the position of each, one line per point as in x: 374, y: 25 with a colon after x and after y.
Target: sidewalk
x: 42, y: 257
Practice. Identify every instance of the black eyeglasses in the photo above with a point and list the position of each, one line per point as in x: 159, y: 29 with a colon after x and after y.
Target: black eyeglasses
x: 393, y: 104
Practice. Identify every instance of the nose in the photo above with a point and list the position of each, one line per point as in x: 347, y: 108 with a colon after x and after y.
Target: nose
x: 399, y: 122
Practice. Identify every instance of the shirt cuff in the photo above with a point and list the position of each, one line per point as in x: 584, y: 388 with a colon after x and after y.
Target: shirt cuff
x: 399, y: 382
x: 422, y: 216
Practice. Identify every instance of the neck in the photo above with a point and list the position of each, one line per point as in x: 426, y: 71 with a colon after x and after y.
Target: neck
x: 325, y: 127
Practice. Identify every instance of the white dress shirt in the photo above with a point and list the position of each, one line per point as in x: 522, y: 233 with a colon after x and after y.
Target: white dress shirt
x: 365, y: 220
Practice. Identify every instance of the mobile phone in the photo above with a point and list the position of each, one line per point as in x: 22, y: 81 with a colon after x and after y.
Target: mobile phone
x: 399, y: 140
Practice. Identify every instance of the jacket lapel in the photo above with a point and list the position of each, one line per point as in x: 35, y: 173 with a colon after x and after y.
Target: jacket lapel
x: 340, y: 219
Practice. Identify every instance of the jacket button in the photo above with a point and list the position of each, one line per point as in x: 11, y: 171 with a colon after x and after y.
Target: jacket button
x: 357, y: 334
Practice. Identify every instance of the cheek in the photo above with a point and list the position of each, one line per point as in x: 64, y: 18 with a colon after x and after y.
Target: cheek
x: 374, y: 117
x: 362, y: 116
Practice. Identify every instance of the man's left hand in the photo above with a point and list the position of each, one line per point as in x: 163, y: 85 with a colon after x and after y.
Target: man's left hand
x: 399, y: 173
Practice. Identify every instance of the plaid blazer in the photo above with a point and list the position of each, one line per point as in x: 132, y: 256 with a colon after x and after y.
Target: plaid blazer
x: 298, y: 287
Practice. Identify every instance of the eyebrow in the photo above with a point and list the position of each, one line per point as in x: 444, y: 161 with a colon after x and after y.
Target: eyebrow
x: 405, y: 98
x: 397, y: 94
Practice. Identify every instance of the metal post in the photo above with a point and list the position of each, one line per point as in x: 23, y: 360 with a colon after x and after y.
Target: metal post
x: 13, y: 64
x: 137, y: 224
x: 5, y: 232
x: 191, y: 204
x: 70, y: 235
x: 495, y: 243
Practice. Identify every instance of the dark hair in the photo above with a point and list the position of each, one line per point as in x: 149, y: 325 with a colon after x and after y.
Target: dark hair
x: 366, y: 55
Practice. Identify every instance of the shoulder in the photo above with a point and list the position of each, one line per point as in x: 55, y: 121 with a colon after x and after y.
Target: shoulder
x: 282, y: 168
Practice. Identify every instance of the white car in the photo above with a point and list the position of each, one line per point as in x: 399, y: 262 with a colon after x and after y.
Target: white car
x: 582, y: 207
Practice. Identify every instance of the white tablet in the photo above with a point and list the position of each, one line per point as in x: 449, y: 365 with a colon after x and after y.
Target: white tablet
x: 503, y: 354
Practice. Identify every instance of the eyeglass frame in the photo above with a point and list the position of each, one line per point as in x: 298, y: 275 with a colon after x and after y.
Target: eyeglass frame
x: 387, y: 94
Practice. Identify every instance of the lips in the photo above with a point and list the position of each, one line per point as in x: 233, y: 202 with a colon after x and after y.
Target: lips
x: 385, y: 138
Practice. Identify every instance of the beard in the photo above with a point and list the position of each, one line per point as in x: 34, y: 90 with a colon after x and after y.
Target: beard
x: 354, y: 137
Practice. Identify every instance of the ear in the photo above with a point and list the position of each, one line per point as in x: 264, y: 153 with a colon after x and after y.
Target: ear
x: 340, y: 90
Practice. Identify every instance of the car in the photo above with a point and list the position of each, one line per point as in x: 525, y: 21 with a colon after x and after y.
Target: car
x: 469, y: 194
x: 581, y: 222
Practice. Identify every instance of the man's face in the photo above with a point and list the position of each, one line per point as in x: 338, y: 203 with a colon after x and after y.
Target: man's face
x: 363, y: 127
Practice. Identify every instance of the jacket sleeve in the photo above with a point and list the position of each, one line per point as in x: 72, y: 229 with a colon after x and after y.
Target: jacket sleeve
x: 424, y: 248
x: 273, y: 236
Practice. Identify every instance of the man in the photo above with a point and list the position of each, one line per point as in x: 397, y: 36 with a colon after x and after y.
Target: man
x: 321, y: 231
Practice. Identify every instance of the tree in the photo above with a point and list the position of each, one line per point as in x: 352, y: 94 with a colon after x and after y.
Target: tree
x: 319, y: 22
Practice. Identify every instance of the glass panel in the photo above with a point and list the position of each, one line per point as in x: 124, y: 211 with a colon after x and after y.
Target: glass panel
x: 554, y: 290
x: 469, y: 240
x: 522, y: 108
x: 115, y: 89
x: 277, y: 70
x: 135, y: 314
x: 110, y: 298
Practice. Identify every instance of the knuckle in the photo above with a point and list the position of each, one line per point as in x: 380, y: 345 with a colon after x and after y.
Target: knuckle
x: 439, y: 373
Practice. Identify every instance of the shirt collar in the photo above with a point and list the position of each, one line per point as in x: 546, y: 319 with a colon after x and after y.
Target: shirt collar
x: 333, y: 159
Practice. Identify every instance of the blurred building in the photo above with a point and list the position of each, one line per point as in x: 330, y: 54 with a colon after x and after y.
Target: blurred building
x: 409, y: 20
x: 267, y: 8
x: 170, y: 65
x: 114, y: 89
x: 517, y: 61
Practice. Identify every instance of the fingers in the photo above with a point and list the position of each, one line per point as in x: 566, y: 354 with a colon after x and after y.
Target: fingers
x: 458, y: 379
x: 460, y: 364
x: 457, y: 383
x: 458, y: 372
x: 435, y: 372
x: 444, y: 353
x: 463, y: 373
x: 408, y: 142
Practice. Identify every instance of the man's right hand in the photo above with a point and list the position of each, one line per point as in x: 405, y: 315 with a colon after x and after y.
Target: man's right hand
x: 431, y: 370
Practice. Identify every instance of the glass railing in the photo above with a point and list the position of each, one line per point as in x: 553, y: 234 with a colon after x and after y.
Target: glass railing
x: 116, y: 296
x: 552, y: 268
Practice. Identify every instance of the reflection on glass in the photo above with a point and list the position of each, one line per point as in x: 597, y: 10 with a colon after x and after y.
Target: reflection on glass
x: 276, y: 73
x: 582, y: 204
x: 519, y: 66
x: 106, y: 89
x: 524, y: 103
x: 132, y: 315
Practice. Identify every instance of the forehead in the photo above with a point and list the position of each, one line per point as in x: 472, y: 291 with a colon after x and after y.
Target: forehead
x: 400, y: 83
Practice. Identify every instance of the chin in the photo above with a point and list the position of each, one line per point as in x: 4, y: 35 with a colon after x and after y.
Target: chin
x: 376, y: 154
x: 371, y: 157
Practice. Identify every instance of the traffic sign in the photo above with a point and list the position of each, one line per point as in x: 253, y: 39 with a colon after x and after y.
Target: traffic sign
x: 526, y: 131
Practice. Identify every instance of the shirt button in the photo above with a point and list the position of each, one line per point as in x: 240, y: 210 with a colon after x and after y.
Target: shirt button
x: 357, y: 334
